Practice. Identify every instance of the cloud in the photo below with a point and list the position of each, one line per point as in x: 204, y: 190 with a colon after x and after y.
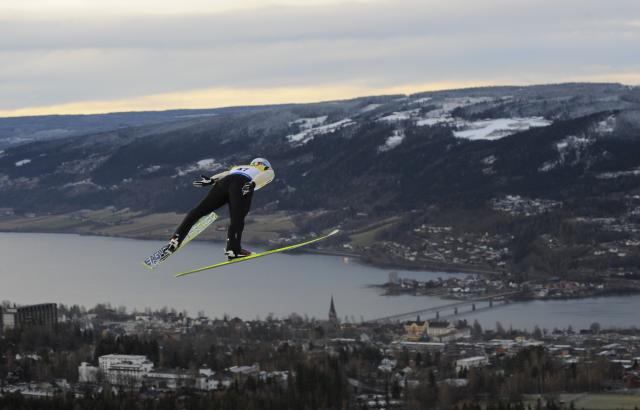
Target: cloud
x: 377, y: 45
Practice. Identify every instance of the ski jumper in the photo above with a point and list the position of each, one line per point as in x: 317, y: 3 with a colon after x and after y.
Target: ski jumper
x: 234, y: 187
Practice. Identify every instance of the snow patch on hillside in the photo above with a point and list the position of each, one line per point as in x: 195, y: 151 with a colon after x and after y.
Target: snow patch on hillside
x: 205, y: 165
x: 610, y: 175
x: 393, y: 141
x: 571, y: 146
x: 497, y: 128
x: 488, y: 162
x: 451, y: 104
x: 606, y: 126
x: 308, y: 123
x: 308, y: 134
x: 85, y: 182
x: 400, y: 116
x: 370, y: 107
x: 421, y: 100
x: 23, y: 162
x: 486, y: 129
x: 151, y: 169
x: 434, y: 121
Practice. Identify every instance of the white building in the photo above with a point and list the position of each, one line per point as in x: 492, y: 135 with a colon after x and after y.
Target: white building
x: 245, y: 370
x: 206, y: 380
x: 122, y: 369
x: 8, y: 318
x: 437, y: 328
x: 169, y: 379
x: 87, y: 373
x: 469, y: 362
x: 207, y: 383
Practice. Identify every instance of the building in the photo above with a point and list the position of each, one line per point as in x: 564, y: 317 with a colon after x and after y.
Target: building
x: 439, y: 328
x: 87, y: 373
x: 44, y: 314
x: 169, y: 379
x: 400, y: 345
x: 445, y: 331
x: 124, y: 369
x: 469, y: 362
x: 415, y: 330
x: 206, y: 380
x: 8, y: 318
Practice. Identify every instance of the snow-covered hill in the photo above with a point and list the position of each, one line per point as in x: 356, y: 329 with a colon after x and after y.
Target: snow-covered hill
x: 375, y: 154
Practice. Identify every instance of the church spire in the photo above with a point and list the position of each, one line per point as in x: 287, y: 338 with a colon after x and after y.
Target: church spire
x: 333, y: 316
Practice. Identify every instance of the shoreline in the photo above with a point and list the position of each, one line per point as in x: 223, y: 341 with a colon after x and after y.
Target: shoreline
x: 264, y: 230
x: 364, y: 259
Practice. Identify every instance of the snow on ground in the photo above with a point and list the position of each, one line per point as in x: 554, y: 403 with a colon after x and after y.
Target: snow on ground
x: 436, y: 116
x: 87, y: 182
x: 308, y: 134
x: 450, y: 104
x: 23, y: 162
x: 421, y: 100
x: 431, y: 118
x: 497, y: 128
x: 434, y: 121
x: 610, y: 175
x: 393, y: 141
x: 151, y: 169
x: 308, y: 123
x: 370, y: 107
x: 400, y: 116
x: 606, y: 126
x: 569, y: 145
x: 489, y: 160
x: 207, y: 164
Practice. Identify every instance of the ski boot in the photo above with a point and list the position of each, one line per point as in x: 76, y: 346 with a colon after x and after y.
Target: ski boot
x: 171, y: 247
x: 243, y: 253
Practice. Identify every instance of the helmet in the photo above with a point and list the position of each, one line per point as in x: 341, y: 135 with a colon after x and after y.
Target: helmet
x: 261, y: 161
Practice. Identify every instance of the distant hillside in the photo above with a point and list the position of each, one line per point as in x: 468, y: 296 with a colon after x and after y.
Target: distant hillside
x: 575, y: 145
x: 21, y: 130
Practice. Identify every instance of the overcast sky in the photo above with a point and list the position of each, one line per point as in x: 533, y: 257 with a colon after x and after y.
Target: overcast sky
x: 85, y: 56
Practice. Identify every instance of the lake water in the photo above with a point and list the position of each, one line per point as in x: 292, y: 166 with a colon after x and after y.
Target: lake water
x: 72, y: 269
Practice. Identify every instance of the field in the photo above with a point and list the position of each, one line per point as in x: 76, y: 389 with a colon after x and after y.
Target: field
x: 129, y: 224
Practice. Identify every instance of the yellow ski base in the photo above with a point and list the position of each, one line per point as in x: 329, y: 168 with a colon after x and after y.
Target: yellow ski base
x: 258, y: 255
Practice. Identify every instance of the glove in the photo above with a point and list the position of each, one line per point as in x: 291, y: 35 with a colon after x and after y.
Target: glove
x: 248, y: 187
x: 204, y: 181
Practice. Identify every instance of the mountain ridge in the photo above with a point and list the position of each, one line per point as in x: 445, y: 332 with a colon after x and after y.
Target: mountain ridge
x: 574, y: 148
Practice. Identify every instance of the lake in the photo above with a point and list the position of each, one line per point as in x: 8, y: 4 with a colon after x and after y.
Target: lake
x: 86, y: 270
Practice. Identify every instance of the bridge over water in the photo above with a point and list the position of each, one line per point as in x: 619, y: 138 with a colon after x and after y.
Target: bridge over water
x: 456, y: 308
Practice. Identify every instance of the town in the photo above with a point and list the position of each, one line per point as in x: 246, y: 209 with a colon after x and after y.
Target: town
x: 50, y: 352
x: 473, y: 287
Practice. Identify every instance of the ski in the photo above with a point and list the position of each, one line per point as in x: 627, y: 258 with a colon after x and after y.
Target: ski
x: 258, y: 255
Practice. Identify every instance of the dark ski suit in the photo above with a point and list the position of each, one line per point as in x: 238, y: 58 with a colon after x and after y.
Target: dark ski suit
x: 228, y: 190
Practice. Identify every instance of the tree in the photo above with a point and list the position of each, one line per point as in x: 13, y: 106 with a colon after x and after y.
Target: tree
x: 476, y: 329
x: 537, y: 333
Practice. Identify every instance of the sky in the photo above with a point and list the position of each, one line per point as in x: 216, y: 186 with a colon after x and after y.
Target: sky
x: 93, y: 56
